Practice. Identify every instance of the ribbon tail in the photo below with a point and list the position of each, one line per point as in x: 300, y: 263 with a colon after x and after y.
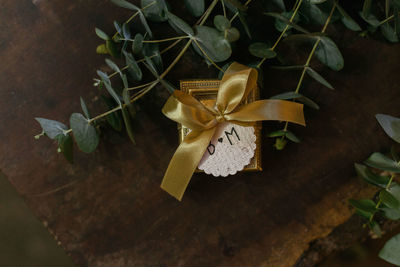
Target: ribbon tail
x: 185, y: 161
x: 271, y: 109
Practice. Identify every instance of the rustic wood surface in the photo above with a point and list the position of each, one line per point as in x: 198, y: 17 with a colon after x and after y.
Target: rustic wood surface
x: 108, y: 210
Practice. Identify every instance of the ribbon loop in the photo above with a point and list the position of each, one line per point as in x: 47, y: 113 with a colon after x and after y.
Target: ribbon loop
x: 237, y: 83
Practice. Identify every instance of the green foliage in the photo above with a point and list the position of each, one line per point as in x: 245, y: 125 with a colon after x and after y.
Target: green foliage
x: 391, y: 251
x: 388, y: 199
x: 85, y: 134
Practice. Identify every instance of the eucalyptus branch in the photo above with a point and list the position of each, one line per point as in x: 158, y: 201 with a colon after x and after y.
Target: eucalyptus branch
x: 306, y: 65
x: 153, y: 84
x: 296, y: 9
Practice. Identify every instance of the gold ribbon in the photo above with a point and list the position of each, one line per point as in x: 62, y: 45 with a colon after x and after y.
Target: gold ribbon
x: 237, y: 83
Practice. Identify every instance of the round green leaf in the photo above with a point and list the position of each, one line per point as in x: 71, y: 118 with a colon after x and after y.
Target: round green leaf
x: 221, y: 23
x: 180, y: 24
x: 328, y: 53
x: 391, y: 126
x: 380, y: 161
x: 137, y: 44
x: 213, y: 43
x: 261, y: 50
x: 52, y: 128
x: 232, y: 34
x: 102, y: 34
x: 391, y: 250
x: 84, y: 133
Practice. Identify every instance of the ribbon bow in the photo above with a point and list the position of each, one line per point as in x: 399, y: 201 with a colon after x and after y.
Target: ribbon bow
x: 237, y: 82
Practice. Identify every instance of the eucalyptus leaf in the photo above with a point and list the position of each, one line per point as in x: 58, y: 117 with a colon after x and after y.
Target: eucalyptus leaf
x: 391, y: 126
x: 391, y: 250
x: 152, y: 51
x: 370, y: 177
x: 128, y: 103
x: 66, y: 145
x: 85, y: 109
x: 391, y: 214
x: 277, y: 133
x: 261, y: 50
x: 137, y: 44
x: 102, y: 34
x: 52, y: 128
x: 118, y: 27
x: 389, y: 200
x: 313, y: 74
x: 85, y: 134
x: 213, y: 43
x: 284, y: 17
x: 366, y: 205
x: 389, y: 33
x: 109, y: 88
x: 221, y: 23
x: 113, y: 119
x: 126, y: 31
x: 112, y: 49
x: 370, y: 19
x: 394, y: 189
x: 366, y: 8
x: 292, y: 137
x: 113, y: 66
x: 157, y: 11
x: 180, y: 24
x: 133, y: 67
x: 313, y: 13
x: 195, y: 7
x: 128, y: 125
x: 380, y: 161
x: 232, y: 34
x: 347, y: 20
x: 328, y: 53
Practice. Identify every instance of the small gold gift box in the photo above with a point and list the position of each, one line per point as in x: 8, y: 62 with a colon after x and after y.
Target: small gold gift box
x: 204, y: 90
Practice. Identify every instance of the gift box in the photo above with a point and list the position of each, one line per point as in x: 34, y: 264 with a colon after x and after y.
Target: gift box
x: 206, y: 90
x: 220, y: 126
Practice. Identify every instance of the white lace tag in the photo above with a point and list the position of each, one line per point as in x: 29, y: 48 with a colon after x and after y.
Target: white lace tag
x: 230, y: 150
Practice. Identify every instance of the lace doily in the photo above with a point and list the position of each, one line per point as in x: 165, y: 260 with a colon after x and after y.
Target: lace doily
x: 230, y: 150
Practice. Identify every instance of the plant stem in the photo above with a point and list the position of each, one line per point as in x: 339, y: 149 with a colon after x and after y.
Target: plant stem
x: 284, y: 30
x: 223, y: 7
x: 139, y: 86
x: 166, y: 40
x: 306, y: 65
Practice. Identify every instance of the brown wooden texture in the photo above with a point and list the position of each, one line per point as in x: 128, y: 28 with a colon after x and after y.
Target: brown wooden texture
x: 109, y: 210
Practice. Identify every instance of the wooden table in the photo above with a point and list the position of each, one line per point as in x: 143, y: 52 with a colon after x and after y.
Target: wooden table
x: 108, y: 210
